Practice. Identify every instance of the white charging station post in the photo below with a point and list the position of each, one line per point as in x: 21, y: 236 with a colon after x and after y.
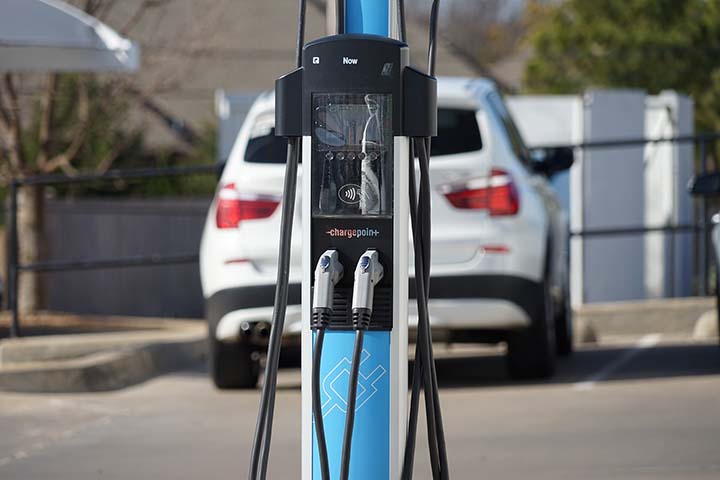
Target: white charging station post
x: 354, y: 103
x: 380, y: 418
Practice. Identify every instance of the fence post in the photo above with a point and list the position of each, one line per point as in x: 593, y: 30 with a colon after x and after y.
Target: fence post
x: 704, y: 263
x: 12, y: 259
x: 717, y: 290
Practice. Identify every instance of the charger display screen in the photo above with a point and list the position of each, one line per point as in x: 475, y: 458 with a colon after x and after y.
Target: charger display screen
x: 352, y: 144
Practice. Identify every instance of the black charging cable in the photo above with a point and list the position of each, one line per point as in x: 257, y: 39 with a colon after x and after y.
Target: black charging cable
x: 328, y: 273
x: 425, y: 163
x: 424, y: 373
x: 340, y: 16
x: 368, y: 272
x: 263, y: 429
x: 317, y: 403
x: 351, y: 403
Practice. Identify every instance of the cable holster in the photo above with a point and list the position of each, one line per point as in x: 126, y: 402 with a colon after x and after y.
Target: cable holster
x: 361, y: 318
x: 320, y: 318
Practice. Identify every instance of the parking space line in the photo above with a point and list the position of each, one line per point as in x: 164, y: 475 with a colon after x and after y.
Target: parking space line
x: 647, y: 341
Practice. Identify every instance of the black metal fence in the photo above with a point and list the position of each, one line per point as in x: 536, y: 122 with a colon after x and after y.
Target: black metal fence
x: 14, y: 267
x: 704, y: 147
x: 704, y: 144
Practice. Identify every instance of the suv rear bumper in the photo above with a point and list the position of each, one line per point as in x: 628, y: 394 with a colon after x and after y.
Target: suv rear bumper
x: 469, y: 303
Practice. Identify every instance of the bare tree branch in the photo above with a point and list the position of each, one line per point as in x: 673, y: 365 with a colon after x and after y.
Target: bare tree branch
x: 479, y: 67
x: 201, y: 32
x: 4, y: 112
x: 91, y: 6
x: 177, y: 126
x: 4, y: 121
x: 64, y: 160
x: 104, y: 9
x: 104, y: 165
x: 139, y: 12
x: 6, y: 173
x: 17, y: 156
x: 46, y: 118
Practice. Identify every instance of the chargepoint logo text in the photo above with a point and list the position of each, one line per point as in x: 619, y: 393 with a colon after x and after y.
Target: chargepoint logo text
x: 353, y: 232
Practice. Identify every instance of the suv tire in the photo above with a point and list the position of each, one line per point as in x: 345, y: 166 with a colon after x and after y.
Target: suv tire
x: 564, y: 328
x: 232, y: 365
x: 531, y: 351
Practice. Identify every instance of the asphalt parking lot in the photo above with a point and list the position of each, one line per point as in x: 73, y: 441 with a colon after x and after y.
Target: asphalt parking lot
x: 642, y: 409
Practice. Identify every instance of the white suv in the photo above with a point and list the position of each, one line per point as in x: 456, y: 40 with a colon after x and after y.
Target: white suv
x: 499, y: 240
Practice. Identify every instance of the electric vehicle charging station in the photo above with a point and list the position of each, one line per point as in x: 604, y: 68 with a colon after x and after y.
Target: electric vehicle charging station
x: 354, y: 104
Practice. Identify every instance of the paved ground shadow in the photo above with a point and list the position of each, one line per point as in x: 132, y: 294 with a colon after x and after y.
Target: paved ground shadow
x: 656, y: 362
x: 467, y: 371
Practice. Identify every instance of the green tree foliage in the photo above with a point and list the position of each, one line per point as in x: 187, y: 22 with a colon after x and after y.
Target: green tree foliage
x: 649, y: 44
x: 110, y: 139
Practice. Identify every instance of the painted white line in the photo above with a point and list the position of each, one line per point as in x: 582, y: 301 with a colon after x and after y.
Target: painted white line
x: 648, y: 341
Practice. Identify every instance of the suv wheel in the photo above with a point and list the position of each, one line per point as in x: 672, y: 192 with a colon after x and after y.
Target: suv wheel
x: 531, y: 351
x: 232, y: 365
x: 564, y: 328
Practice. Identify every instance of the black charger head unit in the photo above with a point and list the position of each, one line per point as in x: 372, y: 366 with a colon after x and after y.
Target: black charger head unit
x: 357, y: 64
x: 353, y: 96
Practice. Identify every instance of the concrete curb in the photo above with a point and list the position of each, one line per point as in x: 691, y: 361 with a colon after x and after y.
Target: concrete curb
x: 676, y: 316
x: 706, y: 327
x: 97, y: 362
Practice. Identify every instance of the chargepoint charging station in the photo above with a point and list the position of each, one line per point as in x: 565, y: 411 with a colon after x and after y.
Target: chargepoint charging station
x: 357, y: 114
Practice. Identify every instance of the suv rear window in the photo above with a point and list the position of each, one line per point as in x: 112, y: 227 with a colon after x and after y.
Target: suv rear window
x: 514, y: 136
x: 266, y: 148
x: 458, y: 132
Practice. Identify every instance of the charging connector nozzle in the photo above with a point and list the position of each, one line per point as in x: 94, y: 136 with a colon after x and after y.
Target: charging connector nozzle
x: 368, y: 273
x: 328, y: 273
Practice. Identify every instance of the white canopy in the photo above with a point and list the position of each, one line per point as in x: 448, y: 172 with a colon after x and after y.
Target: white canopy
x: 50, y: 35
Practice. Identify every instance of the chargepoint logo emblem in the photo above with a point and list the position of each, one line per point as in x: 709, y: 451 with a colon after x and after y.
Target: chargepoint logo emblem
x: 335, y: 384
x: 350, y: 193
x: 353, y: 232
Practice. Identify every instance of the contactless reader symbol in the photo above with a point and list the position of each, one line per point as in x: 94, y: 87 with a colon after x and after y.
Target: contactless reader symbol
x: 350, y: 193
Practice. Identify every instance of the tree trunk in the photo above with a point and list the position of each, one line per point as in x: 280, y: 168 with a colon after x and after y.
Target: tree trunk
x: 30, y: 243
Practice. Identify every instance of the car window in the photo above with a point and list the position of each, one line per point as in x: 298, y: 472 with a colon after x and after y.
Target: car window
x: 265, y: 147
x: 458, y: 132
x: 516, y: 141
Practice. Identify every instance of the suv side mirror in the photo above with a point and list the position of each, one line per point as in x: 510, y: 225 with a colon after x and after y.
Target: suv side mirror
x: 549, y: 161
x: 705, y: 184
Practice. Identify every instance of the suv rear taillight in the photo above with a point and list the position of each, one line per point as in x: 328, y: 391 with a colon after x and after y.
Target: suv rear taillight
x: 496, y: 194
x: 233, y: 207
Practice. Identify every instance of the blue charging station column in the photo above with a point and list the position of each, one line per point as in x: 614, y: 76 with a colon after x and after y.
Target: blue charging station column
x: 367, y: 16
x: 382, y: 385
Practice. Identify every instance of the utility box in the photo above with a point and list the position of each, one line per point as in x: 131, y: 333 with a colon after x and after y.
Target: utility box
x: 668, y: 169
x: 620, y: 187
